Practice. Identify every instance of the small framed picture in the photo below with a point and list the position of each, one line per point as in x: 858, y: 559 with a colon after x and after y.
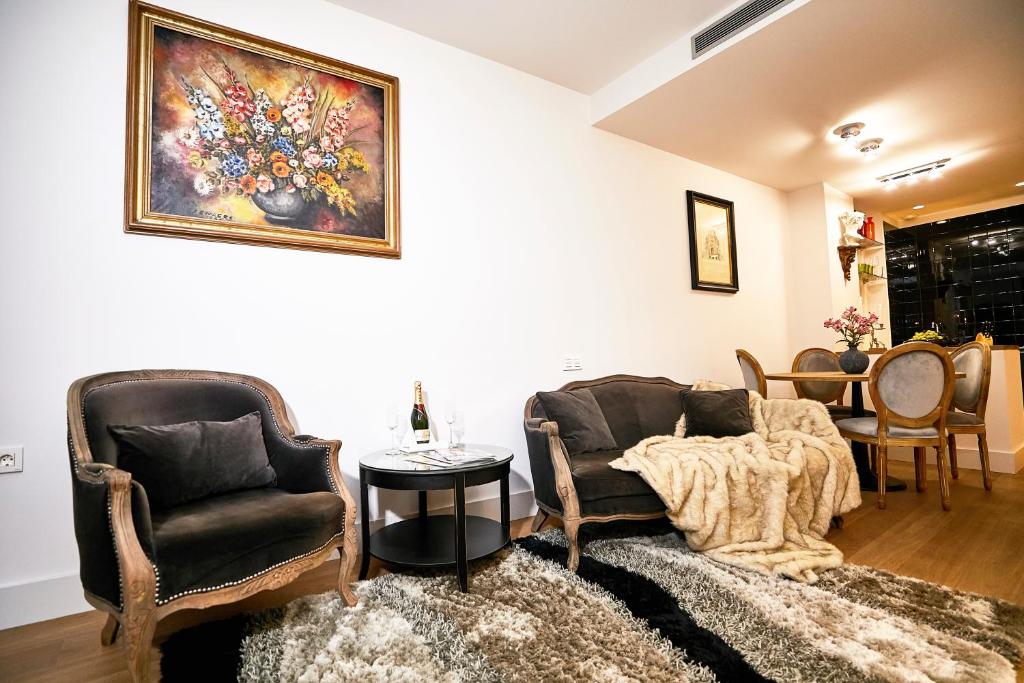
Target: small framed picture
x: 712, y: 224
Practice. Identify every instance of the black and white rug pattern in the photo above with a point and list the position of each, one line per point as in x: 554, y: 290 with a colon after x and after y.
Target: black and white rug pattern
x: 641, y: 608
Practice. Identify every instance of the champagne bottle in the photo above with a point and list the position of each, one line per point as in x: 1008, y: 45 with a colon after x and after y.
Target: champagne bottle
x: 420, y: 421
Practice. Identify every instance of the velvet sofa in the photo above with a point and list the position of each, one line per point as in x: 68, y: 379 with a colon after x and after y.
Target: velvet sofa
x: 581, y: 488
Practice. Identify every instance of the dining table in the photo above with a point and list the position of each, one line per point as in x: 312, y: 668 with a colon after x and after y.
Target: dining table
x: 868, y: 479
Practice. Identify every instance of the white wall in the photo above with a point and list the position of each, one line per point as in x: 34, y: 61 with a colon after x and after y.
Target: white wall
x: 526, y: 234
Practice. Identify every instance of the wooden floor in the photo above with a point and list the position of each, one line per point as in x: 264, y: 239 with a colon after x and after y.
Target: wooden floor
x: 977, y: 546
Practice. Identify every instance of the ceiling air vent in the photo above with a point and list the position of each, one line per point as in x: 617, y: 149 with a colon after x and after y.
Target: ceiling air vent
x: 747, y: 15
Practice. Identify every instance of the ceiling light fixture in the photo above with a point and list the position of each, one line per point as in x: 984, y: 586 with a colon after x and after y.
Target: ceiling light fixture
x: 869, y: 148
x: 911, y: 175
x: 941, y: 222
x: 917, y: 206
x: 1020, y: 184
x: 848, y: 132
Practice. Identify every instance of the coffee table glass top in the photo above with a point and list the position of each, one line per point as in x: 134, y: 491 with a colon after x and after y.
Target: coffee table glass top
x: 381, y: 460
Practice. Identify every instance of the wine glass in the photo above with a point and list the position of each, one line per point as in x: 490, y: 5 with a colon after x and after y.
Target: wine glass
x: 449, y: 417
x: 392, y: 421
x: 458, y: 427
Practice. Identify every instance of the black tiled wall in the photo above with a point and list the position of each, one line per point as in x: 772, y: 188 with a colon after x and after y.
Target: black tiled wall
x: 962, y: 273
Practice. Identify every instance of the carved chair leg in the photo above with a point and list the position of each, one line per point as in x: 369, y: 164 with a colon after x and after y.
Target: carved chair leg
x: 954, y: 471
x: 873, y: 457
x: 348, y: 553
x: 109, y: 633
x: 986, y: 471
x: 882, y: 456
x: 940, y: 454
x: 920, y: 468
x: 572, y: 528
x: 137, y: 634
x: 538, y: 520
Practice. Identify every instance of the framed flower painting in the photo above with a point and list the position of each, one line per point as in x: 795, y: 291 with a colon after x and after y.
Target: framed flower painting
x: 239, y: 139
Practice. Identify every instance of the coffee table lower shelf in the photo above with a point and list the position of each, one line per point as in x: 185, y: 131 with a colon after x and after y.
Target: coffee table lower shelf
x: 430, y: 541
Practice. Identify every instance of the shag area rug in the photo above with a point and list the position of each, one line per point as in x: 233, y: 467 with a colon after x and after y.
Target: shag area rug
x: 641, y: 608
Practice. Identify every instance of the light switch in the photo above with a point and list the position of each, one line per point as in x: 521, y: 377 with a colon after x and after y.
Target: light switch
x: 571, y: 364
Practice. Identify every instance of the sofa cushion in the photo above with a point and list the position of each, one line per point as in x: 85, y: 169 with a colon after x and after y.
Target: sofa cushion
x: 595, y: 480
x: 637, y: 410
x: 180, y: 463
x: 717, y: 413
x: 581, y: 424
x: 228, y: 538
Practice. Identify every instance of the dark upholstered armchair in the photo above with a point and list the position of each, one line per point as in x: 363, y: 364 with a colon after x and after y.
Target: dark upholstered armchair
x: 140, y: 564
x: 583, y: 488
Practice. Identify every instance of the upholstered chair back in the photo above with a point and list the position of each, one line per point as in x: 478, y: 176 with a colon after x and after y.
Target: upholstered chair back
x: 818, y: 360
x: 971, y: 392
x: 753, y: 375
x: 913, y: 383
x: 165, y: 399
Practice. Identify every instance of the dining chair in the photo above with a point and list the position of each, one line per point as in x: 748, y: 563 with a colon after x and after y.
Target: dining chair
x: 821, y: 360
x: 911, y: 387
x: 970, y: 395
x: 753, y: 373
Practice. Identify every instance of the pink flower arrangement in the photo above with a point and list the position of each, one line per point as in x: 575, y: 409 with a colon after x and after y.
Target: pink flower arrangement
x: 852, y: 325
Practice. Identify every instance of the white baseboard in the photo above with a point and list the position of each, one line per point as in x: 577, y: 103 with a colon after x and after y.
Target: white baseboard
x: 27, y: 603
x: 59, y: 596
x: 968, y: 459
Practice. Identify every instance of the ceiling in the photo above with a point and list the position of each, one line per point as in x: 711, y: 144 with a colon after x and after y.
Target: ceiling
x: 933, y: 78
x: 581, y: 44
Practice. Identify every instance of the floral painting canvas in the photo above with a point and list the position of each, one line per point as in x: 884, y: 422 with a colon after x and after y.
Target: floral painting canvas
x: 237, y: 138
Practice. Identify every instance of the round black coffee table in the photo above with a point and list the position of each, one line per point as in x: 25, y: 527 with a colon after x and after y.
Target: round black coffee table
x: 434, y: 540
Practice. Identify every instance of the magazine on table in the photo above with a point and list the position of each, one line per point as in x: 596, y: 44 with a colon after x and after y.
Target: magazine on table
x: 451, y: 457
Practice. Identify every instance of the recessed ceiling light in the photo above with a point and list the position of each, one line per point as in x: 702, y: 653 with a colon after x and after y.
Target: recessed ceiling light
x: 917, y: 206
x: 909, y: 216
x: 941, y: 222
x: 848, y: 132
x: 1020, y: 184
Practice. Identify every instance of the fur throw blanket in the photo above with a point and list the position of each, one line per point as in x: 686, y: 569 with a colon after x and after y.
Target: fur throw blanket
x: 761, y: 501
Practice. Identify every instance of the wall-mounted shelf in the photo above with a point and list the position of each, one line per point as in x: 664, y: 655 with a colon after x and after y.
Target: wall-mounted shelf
x: 867, y: 278
x: 865, y: 243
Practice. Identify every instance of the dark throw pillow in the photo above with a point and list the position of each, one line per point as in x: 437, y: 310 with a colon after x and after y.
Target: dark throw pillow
x: 581, y: 424
x: 717, y: 413
x: 180, y: 463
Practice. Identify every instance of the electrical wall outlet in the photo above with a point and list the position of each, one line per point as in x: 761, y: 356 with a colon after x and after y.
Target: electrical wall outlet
x: 571, y: 364
x: 11, y: 458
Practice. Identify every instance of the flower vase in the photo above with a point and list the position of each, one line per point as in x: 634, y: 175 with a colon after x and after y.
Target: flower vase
x: 853, y: 361
x: 280, y: 205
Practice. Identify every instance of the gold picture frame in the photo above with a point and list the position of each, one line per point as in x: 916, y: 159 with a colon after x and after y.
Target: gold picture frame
x: 235, y: 138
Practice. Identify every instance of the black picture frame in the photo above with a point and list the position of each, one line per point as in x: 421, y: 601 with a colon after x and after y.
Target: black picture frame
x: 696, y: 282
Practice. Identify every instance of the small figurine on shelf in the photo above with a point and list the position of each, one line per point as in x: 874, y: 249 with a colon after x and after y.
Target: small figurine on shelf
x: 985, y: 334
x: 875, y: 342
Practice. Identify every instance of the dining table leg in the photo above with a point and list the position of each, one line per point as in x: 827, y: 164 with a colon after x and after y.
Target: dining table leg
x: 868, y: 479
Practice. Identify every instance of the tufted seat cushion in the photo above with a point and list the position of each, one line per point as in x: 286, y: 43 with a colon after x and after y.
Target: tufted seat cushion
x: 868, y: 426
x: 228, y: 538
x: 956, y: 418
